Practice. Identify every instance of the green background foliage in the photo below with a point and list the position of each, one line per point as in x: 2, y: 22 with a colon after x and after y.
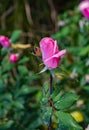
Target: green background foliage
x: 24, y: 93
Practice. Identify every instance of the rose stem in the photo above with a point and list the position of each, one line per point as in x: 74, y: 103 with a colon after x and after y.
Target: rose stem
x: 51, y: 89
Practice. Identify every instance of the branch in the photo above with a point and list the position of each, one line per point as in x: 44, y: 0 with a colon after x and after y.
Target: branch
x: 53, y: 13
x: 4, y: 15
x: 28, y: 12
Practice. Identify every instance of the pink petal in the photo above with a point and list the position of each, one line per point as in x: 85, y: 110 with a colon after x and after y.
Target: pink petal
x: 84, y: 4
x: 52, y: 63
x: 55, y: 50
x: 59, y: 54
x: 47, y: 47
x: 84, y: 8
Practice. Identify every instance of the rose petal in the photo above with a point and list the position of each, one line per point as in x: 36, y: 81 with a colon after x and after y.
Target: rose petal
x: 59, y: 54
x: 52, y: 63
x: 84, y: 8
x: 47, y: 47
x: 55, y: 47
x: 84, y: 4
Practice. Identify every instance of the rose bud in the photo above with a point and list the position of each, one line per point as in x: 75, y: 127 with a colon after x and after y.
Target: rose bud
x: 84, y: 8
x: 14, y: 58
x: 51, y: 56
x: 37, y: 51
x: 5, y: 41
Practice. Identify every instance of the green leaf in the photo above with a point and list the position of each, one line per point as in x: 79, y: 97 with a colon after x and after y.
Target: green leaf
x: 6, y: 97
x: 46, y: 91
x: 17, y: 104
x: 64, y: 32
x: 7, y: 66
x: 46, y: 115
x: 64, y: 101
x: 84, y: 51
x: 15, y: 35
x: 86, y: 87
x: 2, y: 85
x: 68, y: 121
x: 22, y: 70
x: 6, y: 125
x: 35, y: 124
x: 61, y: 126
x: 26, y: 90
x: 4, y: 51
x: 3, y: 110
x: 56, y: 92
x: 23, y: 60
x: 44, y: 101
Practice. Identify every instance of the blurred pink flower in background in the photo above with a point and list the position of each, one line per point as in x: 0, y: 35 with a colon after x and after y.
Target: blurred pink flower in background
x: 37, y: 51
x: 51, y: 56
x: 84, y: 8
x: 14, y: 58
x: 5, y: 41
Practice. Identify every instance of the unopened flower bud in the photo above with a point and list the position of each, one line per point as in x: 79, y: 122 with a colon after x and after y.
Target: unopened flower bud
x: 14, y: 58
x: 84, y: 8
x: 5, y: 41
x: 37, y: 51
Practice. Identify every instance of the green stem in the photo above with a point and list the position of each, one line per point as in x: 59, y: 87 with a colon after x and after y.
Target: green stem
x: 51, y: 89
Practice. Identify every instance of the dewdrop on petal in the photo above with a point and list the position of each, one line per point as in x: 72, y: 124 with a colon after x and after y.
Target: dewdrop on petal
x: 14, y: 58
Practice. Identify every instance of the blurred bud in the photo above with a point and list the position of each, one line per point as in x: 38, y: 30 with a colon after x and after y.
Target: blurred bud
x: 81, y: 24
x: 61, y: 23
x: 87, y: 127
x: 87, y: 62
x: 37, y: 51
x: 77, y: 115
x: 80, y: 103
x: 84, y: 8
x: 14, y: 58
x: 87, y: 78
x: 73, y: 75
x: 5, y: 41
x: 58, y: 76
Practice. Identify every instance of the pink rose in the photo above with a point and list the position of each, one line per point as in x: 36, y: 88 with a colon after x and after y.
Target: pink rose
x: 14, y: 58
x: 50, y: 54
x: 84, y: 8
x: 4, y: 41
